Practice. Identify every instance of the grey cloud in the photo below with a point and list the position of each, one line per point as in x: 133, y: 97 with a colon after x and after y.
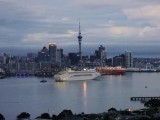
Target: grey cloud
x: 57, y: 21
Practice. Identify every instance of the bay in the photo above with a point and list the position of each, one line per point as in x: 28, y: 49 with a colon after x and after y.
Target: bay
x: 28, y: 94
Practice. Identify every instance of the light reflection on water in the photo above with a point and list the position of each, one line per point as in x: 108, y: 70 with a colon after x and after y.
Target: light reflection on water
x: 85, y: 94
x: 84, y: 89
x: 92, y: 96
x: 61, y: 85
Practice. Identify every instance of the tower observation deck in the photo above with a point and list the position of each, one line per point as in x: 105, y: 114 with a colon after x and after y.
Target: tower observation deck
x: 79, y: 41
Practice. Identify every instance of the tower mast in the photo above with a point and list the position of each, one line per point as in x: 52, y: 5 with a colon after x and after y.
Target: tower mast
x: 79, y: 41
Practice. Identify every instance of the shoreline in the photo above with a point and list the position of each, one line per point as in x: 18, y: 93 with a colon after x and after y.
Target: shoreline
x: 110, y: 114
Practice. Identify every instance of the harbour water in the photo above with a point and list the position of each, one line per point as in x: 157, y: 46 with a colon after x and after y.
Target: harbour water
x: 28, y: 94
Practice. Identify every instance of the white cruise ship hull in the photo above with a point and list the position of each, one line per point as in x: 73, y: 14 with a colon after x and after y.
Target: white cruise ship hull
x: 76, y: 75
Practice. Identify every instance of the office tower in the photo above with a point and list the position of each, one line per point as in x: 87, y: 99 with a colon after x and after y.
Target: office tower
x: 52, y: 53
x: 119, y: 60
x: 43, y: 54
x: 59, y: 56
x: 102, y: 55
x: 128, y: 60
x: 73, y: 58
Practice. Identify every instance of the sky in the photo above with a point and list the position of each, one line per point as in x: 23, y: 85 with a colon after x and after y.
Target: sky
x: 118, y: 25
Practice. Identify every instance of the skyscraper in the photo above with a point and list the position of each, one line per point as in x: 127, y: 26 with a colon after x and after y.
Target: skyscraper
x: 102, y: 55
x: 59, y: 57
x: 52, y: 52
x: 43, y: 54
x: 128, y: 60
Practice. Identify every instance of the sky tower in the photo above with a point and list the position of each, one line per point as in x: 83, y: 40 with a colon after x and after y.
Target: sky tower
x: 79, y: 41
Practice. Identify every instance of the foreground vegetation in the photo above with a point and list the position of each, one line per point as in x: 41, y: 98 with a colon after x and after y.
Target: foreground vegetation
x: 150, y: 112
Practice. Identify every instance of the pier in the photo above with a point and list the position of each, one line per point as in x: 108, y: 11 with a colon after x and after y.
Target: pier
x: 143, y: 98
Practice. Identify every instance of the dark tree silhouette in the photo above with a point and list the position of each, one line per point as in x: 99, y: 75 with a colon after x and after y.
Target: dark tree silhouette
x: 65, y: 113
x: 144, y: 118
x: 152, y: 103
x: 112, y: 109
x: 45, y: 116
x: 23, y: 115
x: 54, y: 117
x: 1, y: 117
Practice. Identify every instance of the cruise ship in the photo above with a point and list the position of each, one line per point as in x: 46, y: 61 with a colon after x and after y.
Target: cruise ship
x: 72, y: 75
x: 111, y: 70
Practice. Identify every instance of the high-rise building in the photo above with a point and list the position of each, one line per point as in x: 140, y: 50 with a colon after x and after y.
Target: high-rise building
x: 59, y: 56
x: 43, y: 54
x: 101, y: 54
x: 128, y: 60
x: 52, y: 53
x: 119, y: 60
x: 73, y: 58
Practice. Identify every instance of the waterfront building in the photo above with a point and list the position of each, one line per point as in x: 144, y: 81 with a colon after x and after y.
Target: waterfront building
x: 1, y: 61
x: 32, y: 66
x: 101, y: 55
x: 52, y: 53
x: 44, y: 65
x: 5, y: 59
x: 128, y: 60
x: 109, y: 62
x: 158, y: 67
x: 149, y: 66
x: 32, y: 56
x: 119, y: 60
x: 59, y: 56
x: 43, y: 55
x: 73, y: 58
x: 93, y: 58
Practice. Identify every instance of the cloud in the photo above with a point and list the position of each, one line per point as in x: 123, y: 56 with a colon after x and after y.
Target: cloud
x: 146, y: 32
x: 113, y: 3
x: 43, y: 38
x: 121, y: 34
x: 97, y: 3
x: 37, y: 23
x: 149, y: 12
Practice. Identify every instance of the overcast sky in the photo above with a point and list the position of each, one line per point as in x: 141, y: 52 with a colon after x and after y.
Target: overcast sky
x: 118, y: 25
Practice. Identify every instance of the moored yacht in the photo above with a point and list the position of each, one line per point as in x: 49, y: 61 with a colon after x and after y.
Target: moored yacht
x: 72, y: 75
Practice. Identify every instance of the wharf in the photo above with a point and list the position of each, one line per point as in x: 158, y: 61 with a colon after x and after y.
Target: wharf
x: 143, y: 98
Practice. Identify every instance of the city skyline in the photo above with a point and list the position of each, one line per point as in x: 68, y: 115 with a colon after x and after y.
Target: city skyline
x: 118, y: 25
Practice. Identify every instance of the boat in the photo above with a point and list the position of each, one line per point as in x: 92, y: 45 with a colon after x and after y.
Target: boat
x: 2, y: 74
x: 42, y: 81
x: 111, y: 70
x: 73, y: 75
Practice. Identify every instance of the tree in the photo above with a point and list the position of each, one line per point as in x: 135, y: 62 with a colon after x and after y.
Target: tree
x: 2, y: 117
x: 23, y: 115
x: 45, y: 116
x: 152, y: 103
x: 65, y: 113
x: 112, y: 110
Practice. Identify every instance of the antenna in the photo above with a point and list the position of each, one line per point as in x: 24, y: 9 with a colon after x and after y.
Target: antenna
x: 79, y: 27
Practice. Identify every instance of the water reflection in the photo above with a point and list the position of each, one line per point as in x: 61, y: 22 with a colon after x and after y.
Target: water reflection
x: 91, y: 96
x: 61, y: 85
x: 85, y: 94
x: 84, y: 89
x: 112, y: 77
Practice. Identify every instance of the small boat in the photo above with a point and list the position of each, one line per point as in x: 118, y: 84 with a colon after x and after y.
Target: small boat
x: 72, y: 75
x: 2, y: 76
x: 43, y: 81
